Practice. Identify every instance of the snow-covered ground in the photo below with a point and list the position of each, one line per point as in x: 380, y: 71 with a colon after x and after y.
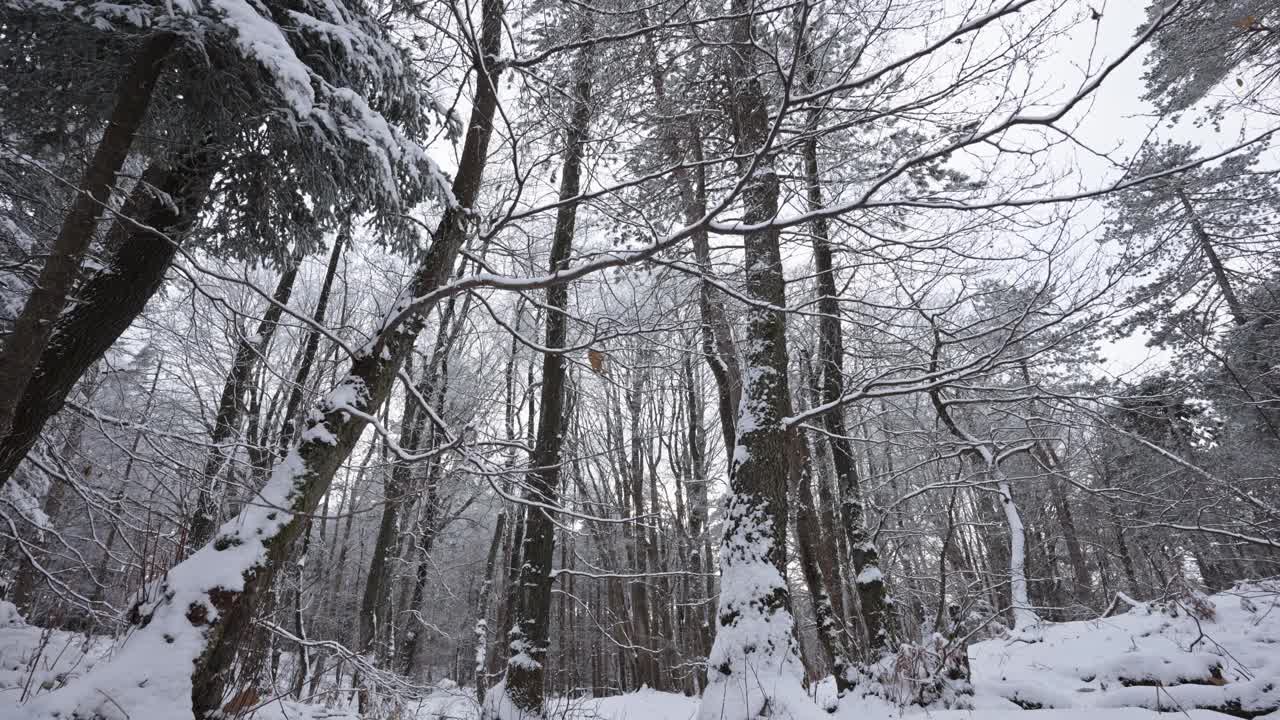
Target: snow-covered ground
x: 1218, y: 652
x: 1223, y: 652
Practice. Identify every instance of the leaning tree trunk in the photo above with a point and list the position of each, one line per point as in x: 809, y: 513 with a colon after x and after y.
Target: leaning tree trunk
x: 231, y: 409
x: 754, y: 666
x: 35, y: 323
x: 161, y: 207
x: 198, y: 618
x: 530, y: 637
x: 1215, y: 262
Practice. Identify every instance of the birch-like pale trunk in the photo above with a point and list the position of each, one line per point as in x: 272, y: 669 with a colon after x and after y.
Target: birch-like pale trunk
x: 975, y: 452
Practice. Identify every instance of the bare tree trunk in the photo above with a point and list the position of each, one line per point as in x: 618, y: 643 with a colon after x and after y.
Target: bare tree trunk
x: 111, y: 299
x: 212, y: 615
x: 36, y: 322
x: 754, y: 665
x: 1215, y: 262
x: 482, y: 605
x: 716, y: 338
x: 372, y: 611
x: 696, y: 487
x: 231, y: 408
x: 863, y: 553
x: 660, y: 600
x: 304, y: 659
x: 312, y: 344
x: 1075, y: 552
x: 646, y: 667
x: 526, y: 668
x: 1024, y: 614
x: 428, y: 526
x: 829, y: 628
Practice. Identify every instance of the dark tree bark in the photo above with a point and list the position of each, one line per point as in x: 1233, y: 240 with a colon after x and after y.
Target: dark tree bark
x: 483, y: 598
x: 428, y: 526
x: 526, y: 669
x: 756, y: 636
x: 303, y: 477
x: 641, y: 637
x: 304, y: 659
x: 167, y: 199
x: 830, y: 628
x: 864, y: 556
x: 312, y: 344
x: 696, y: 488
x: 1215, y: 262
x: 36, y: 323
x: 231, y: 409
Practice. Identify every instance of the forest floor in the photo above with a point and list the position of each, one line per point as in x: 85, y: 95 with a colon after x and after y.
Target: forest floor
x: 1192, y: 656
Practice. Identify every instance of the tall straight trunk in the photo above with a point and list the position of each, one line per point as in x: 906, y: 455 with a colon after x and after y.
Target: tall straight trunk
x: 35, y: 324
x: 864, y: 556
x: 433, y: 389
x: 207, y: 615
x: 1066, y: 519
x: 696, y: 487
x: 660, y: 599
x: 646, y: 665
x: 312, y: 344
x: 483, y: 598
x: 754, y: 666
x: 1045, y: 454
x: 716, y: 338
x: 427, y: 527
x: 303, y: 657
x: 142, y: 246
x: 511, y: 541
x: 351, y: 499
x: 526, y: 668
x: 830, y: 628
x: 231, y: 408
x: 831, y: 551
x: 514, y: 556
x: 377, y: 585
